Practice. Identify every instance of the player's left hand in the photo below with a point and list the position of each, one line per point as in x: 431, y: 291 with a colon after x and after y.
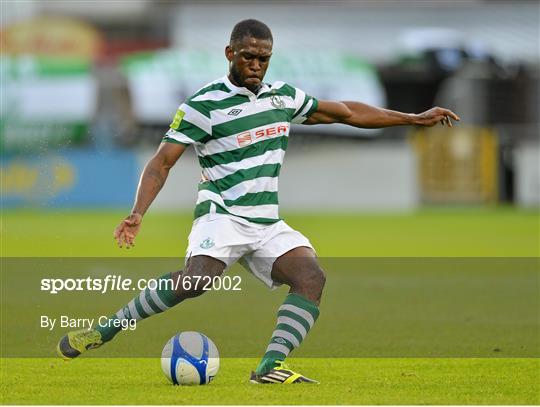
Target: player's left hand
x: 436, y: 115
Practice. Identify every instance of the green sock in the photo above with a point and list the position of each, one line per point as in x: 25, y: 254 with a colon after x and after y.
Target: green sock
x: 146, y: 304
x: 295, y: 318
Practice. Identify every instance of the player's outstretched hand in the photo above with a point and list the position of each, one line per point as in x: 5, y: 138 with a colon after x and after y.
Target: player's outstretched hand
x: 127, y: 230
x: 436, y: 115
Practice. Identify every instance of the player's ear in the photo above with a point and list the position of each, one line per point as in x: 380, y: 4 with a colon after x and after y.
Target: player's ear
x: 229, y: 53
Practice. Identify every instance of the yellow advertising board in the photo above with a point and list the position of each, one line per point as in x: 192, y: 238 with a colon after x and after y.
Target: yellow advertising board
x: 458, y: 165
x: 51, y: 37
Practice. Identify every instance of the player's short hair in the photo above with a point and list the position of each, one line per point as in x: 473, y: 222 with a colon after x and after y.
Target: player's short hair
x: 251, y: 28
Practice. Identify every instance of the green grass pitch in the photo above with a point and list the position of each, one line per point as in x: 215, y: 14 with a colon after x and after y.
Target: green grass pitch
x: 502, y: 232
x: 344, y: 381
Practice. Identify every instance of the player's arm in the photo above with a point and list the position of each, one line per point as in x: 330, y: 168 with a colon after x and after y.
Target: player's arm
x: 152, y: 180
x: 365, y: 116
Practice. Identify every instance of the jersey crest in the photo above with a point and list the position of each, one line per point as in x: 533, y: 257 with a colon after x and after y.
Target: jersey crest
x: 277, y: 102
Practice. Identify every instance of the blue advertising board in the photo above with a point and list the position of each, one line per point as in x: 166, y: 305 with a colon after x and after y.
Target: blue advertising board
x: 82, y: 178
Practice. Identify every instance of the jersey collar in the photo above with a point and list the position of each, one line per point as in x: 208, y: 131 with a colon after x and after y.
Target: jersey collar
x: 244, y: 91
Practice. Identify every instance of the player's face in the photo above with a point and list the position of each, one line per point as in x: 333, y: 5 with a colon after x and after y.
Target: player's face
x: 249, y: 60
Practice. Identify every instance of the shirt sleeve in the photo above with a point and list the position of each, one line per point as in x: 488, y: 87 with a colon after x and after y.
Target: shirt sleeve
x: 305, y: 106
x: 189, y: 126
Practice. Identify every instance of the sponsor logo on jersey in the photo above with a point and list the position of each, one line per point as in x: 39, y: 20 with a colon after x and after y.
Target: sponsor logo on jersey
x: 244, y: 139
x: 247, y: 137
x: 271, y: 131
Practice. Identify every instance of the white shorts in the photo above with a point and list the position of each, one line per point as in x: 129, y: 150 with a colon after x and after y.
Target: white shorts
x: 255, y: 246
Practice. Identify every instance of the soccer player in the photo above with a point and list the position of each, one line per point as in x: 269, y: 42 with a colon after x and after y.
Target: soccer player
x: 239, y: 127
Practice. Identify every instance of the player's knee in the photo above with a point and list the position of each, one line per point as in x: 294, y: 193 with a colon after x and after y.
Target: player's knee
x: 187, y: 285
x: 192, y: 282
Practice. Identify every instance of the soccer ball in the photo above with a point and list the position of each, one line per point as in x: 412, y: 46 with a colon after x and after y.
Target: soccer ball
x: 190, y: 358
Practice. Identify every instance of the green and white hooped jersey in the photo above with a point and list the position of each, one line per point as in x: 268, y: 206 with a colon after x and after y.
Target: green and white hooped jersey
x: 240, y: 139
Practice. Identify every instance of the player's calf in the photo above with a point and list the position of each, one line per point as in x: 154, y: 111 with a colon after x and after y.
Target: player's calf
x: 310, y: 283
x: 300, y: 270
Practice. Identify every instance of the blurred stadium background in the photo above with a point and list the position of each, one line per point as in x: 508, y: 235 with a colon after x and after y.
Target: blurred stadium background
x: 89, y: 88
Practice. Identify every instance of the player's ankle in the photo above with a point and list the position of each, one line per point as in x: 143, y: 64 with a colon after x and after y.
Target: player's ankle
x: 107, y: 332
x: 265, y: 366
